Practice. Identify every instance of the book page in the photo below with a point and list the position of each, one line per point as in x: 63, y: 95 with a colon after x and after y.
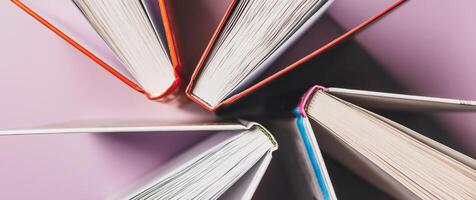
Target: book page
x: 253, y: 33
x: 246, y: 186
x: 153, y: 11
x: 396, y: 157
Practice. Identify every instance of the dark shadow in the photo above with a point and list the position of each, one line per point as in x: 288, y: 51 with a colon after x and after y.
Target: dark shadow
x: 157, y: 146
x: 274, y: 184
x: 196, y: 22
x: 346, y: 65
x: 348, y: 185
x: 321, y: 33
x: 349, y: 66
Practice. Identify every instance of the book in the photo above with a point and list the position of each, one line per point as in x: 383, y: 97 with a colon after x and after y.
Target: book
x: 248, y: 40
x: 308, y: 15
x: 396, y: 159
x: 228, y: 164
x: 140, y: 34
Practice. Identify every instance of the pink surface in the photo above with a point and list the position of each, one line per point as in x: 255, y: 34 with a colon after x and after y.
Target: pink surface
x: 83, y: 166
x: 429, y: 47
x: 43, y: 81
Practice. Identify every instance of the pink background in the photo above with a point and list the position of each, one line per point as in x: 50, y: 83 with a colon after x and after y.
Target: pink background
x: 43, y: 81
x: 427, y: 45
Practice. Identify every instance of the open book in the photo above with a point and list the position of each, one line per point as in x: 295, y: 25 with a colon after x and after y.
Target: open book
x: 256, y: 33
x: 228, y: 164
x: 250, y: 37
x: 249, y: 40
x: 401, y: 162
x: 139, y: 33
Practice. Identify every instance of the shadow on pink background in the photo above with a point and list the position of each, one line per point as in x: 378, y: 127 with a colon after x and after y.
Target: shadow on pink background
x: 427, y: 45
x: 46, y: 81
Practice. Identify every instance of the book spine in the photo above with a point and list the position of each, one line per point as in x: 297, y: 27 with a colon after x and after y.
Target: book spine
x: 302, y: 124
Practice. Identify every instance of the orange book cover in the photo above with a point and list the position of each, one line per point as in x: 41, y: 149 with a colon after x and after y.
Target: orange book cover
x: 173, y: 42
x: 283, y: 71
x: 171, y: 36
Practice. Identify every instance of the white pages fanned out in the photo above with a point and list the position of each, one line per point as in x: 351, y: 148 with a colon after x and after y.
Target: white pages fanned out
x: 211, y: 168
x: 135, y: 32
x: 254, y: 36
x: 228, y: 164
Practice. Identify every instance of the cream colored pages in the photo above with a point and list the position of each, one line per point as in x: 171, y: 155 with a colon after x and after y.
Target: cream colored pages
x: 126, y: 28
x: 293, y: 38
x: 254, y: 33
x: 360, y: 165
x: 155, y: 17
x: 179, y: 162
x: 434, y: 144
x: 399, y: 161
x: 392, y: 101
x: 213, y: 172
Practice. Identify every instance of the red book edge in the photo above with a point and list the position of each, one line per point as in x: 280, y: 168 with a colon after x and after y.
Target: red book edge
x: 170, y: 40
x: 279, y: 73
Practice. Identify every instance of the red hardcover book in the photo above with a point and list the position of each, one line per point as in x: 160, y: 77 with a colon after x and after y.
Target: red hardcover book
x: 172, y: 42
x: 250, y: 89
x: 166, y: 15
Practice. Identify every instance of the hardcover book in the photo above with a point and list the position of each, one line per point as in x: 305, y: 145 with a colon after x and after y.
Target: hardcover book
x: 228, y: 164
x: 400, y: 161
x: 250, y: 37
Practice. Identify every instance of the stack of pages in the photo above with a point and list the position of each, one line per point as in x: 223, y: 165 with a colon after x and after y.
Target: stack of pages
x: 228, y: 163
x: 400, y: 161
